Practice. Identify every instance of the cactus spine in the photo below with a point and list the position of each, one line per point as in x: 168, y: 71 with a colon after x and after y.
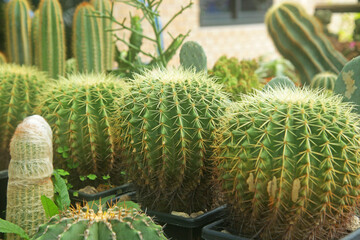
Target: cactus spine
x: 2, y: 58
x: 78, y: 109
x: 167, y: 127
x: 35, y: 37
x: 51, y: 49
x: 192, y: 55
x: 88, y: 40
x: 114, y: 223
x: 299, y: 38
x: 324, y: 80
x: 288, y: 161
x: 18, y: 25
x: 281, y: 82
x: 19, y: 95
x: 30, y: 173
x: 104, y: 6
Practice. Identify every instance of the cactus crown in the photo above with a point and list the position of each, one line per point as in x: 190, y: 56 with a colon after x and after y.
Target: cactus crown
x: 114, y: 223
x: 288, y: 160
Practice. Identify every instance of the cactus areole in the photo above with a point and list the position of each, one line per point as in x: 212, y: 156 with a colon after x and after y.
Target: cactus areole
x: 288, y: 160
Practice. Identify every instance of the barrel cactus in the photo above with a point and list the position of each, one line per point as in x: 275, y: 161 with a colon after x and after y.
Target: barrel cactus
x: 299, y: 38
x: 324, y: 80
x: 167, y: 126
x: 281, y: 81
x: 115, y: 223
x: 30, y: 173
x: 78, y: 109
x: 19, y: 96
x: 288, y: 161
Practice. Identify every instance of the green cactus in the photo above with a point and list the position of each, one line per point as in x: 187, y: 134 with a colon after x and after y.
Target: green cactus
x: 88, y: 45
x: 51, y: 39
x: 115, y: 223
x: 103, y: 7
x: 2, y: 58
x: 281, y: 81
x: 288, y: 161
x: 35, y: 37
x: 18, y: 25
x: 167, y: 125
x: 237, y: 76
x: 324, y: 80
x: 30, y: 171
x: 136, y: 38
x: 299, y: 38
x: 78, y: 110
x: 20, y: 87
x: 70, y: 66
x: 192, y: 55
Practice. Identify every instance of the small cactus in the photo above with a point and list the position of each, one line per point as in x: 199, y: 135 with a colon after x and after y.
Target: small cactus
x: 281, y: 82
x: 192, y: 55
x: 30, y: 173
x: 115, y: 223
x: 324, y: 80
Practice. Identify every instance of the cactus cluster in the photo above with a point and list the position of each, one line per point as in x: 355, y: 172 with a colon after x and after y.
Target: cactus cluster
x: 167, y: 126
x: 192, y: 55
x: 78, y: 109
x: 299, y: 38
x: 30, y: 173
x: 288, y: 161
x: 20, y: 87
x: 324, y: 80
x: 114, y: 223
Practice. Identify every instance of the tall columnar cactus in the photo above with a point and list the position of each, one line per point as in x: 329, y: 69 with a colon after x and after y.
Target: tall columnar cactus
x: 18, y: 25
x: 168, y: 120
x: 35, y: 38
x: 51, y: 39
x: 281, y: 81
x: 103, y: 7
x: 114, y: 223
x: 30, y: 173
x: 20, y: 87
x: 192, y: 55
x: 348, y: 82
x: 78, y: 110
x: 88, y: 43
x: 299, y: 38
x: 2, y: 58
x: 324, y: 80
x: 288, y: 161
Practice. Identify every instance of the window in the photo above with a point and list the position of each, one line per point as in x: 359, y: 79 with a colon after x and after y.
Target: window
x: 226, y: 12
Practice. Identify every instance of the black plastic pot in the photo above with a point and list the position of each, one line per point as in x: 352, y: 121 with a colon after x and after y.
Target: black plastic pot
x: 84, y: 197
x: 3, y: 189
x: 355, y: 235
x: 213, y: 231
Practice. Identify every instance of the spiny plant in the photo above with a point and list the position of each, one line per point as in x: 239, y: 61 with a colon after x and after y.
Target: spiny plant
x: 299, y: 38
x: 20, y: 87
x: 192, y: 55
x: 288, y: 162
x: 88, y: 46
x: 35, y: 22
x: 324, y: 80
x: 114, y: 223
x: 30, y: 171
x: 237, y: 76
x: 18, y: 25
x: 281, y: 81
x: 166, y: 126
x: 51, y: 39
x: 78, y: 108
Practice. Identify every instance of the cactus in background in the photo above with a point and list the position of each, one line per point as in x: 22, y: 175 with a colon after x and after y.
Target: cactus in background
x: 35, y: 37
x: 88, y: 45
x: 324, y: 80
x: 51, y: 39
x: 30, y: 171
x: 237, y: 76
x: 324, y: 18
x: 103, y: 7
x: 18, y: 25
x: 2, y: 58
x: 114, y: 223
x: 78, y: 110
x: 167, y: 125
x: 70, y: 66
x: 279, y: 82
x: 192, y: 55
x: 290, y: 172
x: 19, y: 95
x: 135, y: 39
x: 348, y: 82
x: 298, y: 37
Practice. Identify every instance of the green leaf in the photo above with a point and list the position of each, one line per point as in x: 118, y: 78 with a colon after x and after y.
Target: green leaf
x: 82, y: 178
x: 92, y: 176
x: 49, y: 206
x: 62, y: 198
x: 106, y: 177
x: 8, y: 227
x: 62, y: 172
x: 60, y: 150
x: 65, y: 155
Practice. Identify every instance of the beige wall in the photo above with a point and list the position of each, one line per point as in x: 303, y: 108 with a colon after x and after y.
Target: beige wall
x: 241, y: 41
